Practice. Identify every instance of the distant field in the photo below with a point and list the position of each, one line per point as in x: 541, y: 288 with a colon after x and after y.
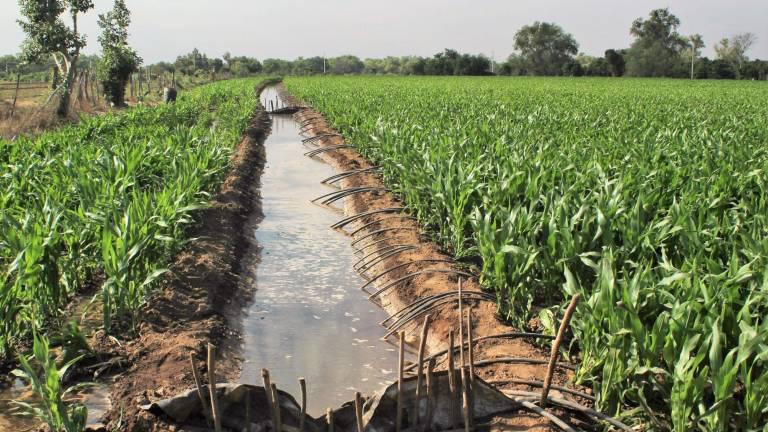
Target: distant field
x: 648, y: 197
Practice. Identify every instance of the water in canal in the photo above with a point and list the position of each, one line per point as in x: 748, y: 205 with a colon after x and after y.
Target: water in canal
x: 309, y: 318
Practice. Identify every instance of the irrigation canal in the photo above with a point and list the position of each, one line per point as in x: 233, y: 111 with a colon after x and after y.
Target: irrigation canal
x: 309, y: 318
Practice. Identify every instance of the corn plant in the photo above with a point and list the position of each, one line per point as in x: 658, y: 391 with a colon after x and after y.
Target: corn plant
x: 114, y: 194
x: 46, y: 379
x: 648, y: 197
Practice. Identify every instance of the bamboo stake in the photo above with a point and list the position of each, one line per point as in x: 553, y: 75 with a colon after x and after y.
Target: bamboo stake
x: 465, y: 385
x: 401, y: 365
x: 470, y: 354
x: 359, y: 411
x: 302, y: 419
x: 276, y: 407
x: 430, y: 394
x: 329, y: 419
x: 452, y: 379
x: 212, y: 387
x: 268, y: 391
x: 461, y: 329
x: 556, y: 349
x: 199, y: 385
x: 420, y: 369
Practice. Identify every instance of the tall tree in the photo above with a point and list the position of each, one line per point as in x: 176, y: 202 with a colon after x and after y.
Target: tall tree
x: 545, y: 48
x: 346, y: 64
x: 657, y: 46
x: 119, y: 60
x: 696, y: 42
x: 616, y: 62
x: 734, y: 50
x: 48, y: 35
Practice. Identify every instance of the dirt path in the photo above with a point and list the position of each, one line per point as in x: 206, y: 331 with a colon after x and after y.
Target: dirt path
x: 200, y: 302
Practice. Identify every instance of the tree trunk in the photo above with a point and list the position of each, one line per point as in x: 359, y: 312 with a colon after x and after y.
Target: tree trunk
x: 69, y: 81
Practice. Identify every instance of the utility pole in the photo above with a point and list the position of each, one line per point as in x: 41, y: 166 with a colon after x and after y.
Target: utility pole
x: 323, y: 64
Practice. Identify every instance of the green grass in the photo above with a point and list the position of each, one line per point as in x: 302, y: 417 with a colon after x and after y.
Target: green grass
x: 112, y: 195
x: 646, y: 196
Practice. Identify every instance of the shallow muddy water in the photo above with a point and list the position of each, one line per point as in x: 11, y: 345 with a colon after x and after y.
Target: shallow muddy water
x: 96, y: 399
x: 309, y: 318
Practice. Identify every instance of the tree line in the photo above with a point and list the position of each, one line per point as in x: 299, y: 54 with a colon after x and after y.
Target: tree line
x: 541, y: 49
x: 658, y: 50
x: 54, y: 44
x: 448, y: 62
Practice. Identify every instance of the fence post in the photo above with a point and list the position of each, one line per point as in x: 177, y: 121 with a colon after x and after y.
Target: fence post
x: 140, y: 94
x: 94, y: 89
x: 149, y: 80
x: 16, y: 93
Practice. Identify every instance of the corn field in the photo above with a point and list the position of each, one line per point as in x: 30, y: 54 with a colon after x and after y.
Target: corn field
x: 648, y: 197
x: 109, y: 198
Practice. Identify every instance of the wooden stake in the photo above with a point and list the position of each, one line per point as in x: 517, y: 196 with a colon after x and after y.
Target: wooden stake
x: 430, y: 394
x: 420, y: 369
x: 16, y: 93
x: 199, y: 385
x: 149, y: 79
x: 556, y: 349
x: 359, y: 411
x: 276, y: 407
x: 329, y: 419
x: 470, y: 354
x: 303, y: 385
x: 465, y: 385
x: 400, y: 367
x: 268, y: 391
x: 452, y: 379
x: 461, y: 329
x: 212, y: 387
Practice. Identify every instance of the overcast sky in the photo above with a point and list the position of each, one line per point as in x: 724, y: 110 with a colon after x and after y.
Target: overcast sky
x: 163, y: 29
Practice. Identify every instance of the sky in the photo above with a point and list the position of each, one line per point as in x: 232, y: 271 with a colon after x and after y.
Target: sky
x: 163, y: 29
